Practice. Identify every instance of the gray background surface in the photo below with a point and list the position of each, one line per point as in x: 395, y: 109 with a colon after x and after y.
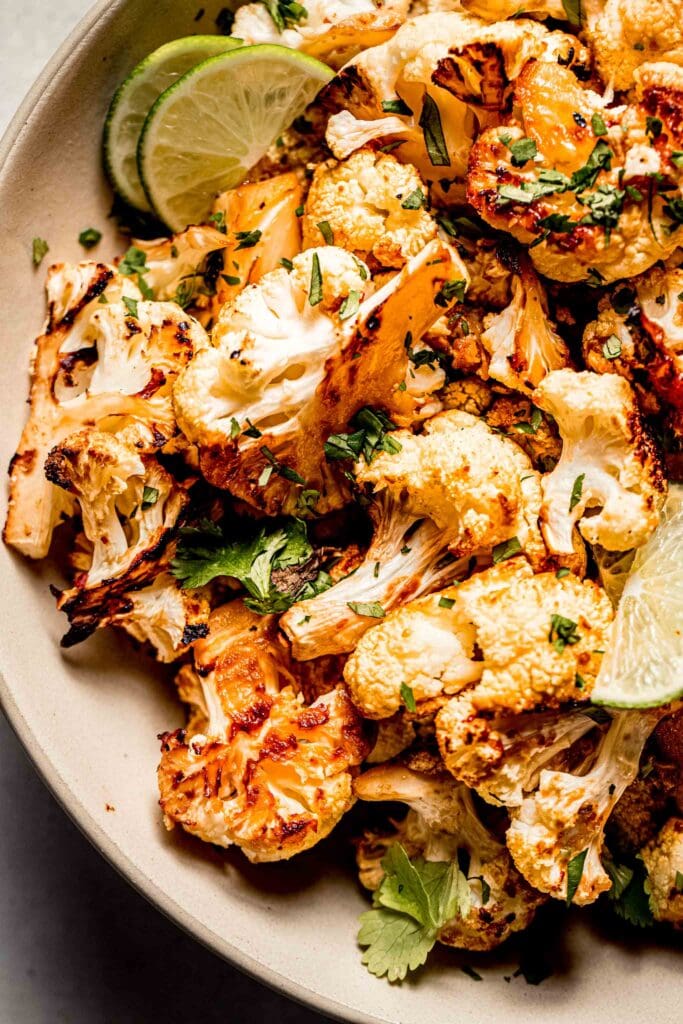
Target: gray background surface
x: 77, y: 944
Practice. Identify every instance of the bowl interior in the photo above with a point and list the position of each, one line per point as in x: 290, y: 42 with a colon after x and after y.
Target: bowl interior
x: 90, y: 717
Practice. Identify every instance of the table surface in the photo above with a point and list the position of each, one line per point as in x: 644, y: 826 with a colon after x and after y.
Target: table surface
x: 77, y: 944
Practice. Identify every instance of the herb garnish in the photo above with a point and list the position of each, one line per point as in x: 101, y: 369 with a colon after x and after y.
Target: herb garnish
x: 430, y: 123
x: 326, y: 232
x: 371, y: 609
x: 414, y: 201
x: 408, y: 697
x: 612, y: 347
x: 285, y: 13
x: 506, y: 549
x: 574, y: 874
x: 315, y: 292
x: 89, y: 238
x: 398, y: 106
x: 247, y: 239
x: 150, y: 496
x: 562, y: 633
x: 39, y: 250
x: 577, y: 491
x: 369, y: 438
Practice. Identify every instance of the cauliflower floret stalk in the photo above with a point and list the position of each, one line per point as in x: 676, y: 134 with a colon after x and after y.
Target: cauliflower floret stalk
x: 663, y: 860
x: 433, y: 86
x: 331, y: 30
x: 556, y: 835
x: 295, y: 357
x: 370, y: 205
x: 162, y: 615
x: 609, y: 479
x: 257, y: 767
x: 505, y: 629
x: 442, y: 828
x: 461, y: 489
x: 262, y: 228
x: 623, y: 36
x: 593, y: 191
x: 130, y: 508
x: 108, y: 359
x: 522, y: 341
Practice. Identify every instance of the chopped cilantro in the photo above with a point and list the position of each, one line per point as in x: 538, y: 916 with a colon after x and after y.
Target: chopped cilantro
x: 231, y: 279
x: 247, y: 239
x: 287, y: 264
x: 577, y: 491
x: 599, y: 160
x: 39, y: 250
x: 558, y: 222
x: 653, y: 127
x: 574, y: 874
x: 315, y: 292
x: 350, y: 305
x: 370, y: 609
x: 612, y: 347
x: 285, y: 13
x: 89, y: 238
x: 572, y: 8
x: 398, y: 106
x: 627, y: 895
x: 414, y: 201
x: 522, y: 151
x: 370, y: 437
x: 131, y: 305
x: 282, y: 470
x: 562, y: 572
x: 450, y: 292
x: 677, y: 158
x: 307, y: 500
x: 579, y: 682
x: 134, y: 262
x: 218, y: 220
x: 446, y: 602
x: 234, y: 428
x: 562, y: 633
x: 251, y: 430
x: 408, y: 697
x: 430, y: 123
x: 506, y: 549
x: 598, y: 125
x: 150, y: 496
x: 605, y: 204
x: 326, y: 232
x: 265, y: 476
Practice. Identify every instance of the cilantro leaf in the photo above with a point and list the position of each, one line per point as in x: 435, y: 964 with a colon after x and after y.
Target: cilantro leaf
x: 315, y: 293
x: 430, y: 123
x: 285, y: 13
x: 414, y: 201
x: 326, y: 231
x: 39, y: 250
x: 522, y: 151
x: 370, y: 609
x: 628, y: 896
x: 263, y: 563
x: 575, y: 874
x: 89, y: 238
x: 408, y: 697
x: 572, y: 8
x: 506, y: 549
x: 577, y: 491
x: 414, y: 900
x: 247, y: 239
x: 369, y: 438
x: 398, y: 106
x: 599, y: 160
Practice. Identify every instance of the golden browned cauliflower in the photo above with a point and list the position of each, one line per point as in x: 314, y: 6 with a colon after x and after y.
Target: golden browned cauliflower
x: 100, y: 362
x: 433, y: 86
x: 331, y: 30
x: 441, y: 821
x: 557, y: 834
x: 623, y: 34
x: 609, y: 479
x: 370, y: 205
x: 499, y: 10
x: 130, y: 508
x: 663, y: 859
x: 593, y: 191
x: 522, y: 341
x: 259, y: 768
x: 527, y: 640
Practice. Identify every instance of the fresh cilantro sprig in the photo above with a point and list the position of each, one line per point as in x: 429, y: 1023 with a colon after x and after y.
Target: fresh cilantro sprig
x: 276, y: 568
x: 285, y: 13
x: 628, y: 896
x: 414, y: 900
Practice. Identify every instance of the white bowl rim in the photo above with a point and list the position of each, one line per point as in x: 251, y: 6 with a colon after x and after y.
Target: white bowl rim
x: 40, y: 758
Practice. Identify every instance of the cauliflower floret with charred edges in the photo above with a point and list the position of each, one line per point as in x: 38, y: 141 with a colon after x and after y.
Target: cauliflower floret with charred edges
x: 663, y: 859
x: 95, y: 364
x: 265, y: 772
x: 373, y: 206
x: 296, y: 358
x: 433, y: 86
x: 565, y: 817
x: 177, y: 268
x: 331, y: 30
x: 522, y: 341
x: 130, y: 508
x: 528, y: 641
x: 477, y: 486
x: 500, y: 754
x: 623, y: 36
x: 164, y: 615
x: 441, y: 821
x: 609, y: 479
x: 587, y: 187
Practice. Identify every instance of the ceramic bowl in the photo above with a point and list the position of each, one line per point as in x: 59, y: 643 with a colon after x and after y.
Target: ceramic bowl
x: 89, y: 717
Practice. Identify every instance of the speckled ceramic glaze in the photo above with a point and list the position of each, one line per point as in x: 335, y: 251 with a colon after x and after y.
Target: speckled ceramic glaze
x: 89, y: 717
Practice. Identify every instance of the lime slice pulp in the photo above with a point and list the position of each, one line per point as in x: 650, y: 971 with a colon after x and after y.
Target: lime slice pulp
x: 643, y: 666
x: 134, y: 98
x: 205, y: 133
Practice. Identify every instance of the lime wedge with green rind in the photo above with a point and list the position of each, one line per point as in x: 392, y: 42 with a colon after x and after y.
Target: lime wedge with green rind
x: 205, y: 133
x: 135, y: 97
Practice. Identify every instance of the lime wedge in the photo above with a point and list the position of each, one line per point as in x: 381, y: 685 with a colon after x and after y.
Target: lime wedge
x: 134, y: 98
x: 204, y: 134
x: 643, y: 665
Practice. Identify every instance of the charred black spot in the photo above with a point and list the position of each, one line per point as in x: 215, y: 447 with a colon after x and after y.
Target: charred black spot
x: 194, y: 632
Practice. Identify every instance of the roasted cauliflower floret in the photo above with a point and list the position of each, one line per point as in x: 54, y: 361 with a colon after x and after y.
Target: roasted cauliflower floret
x: 529, y: 640
x: 441, y: 821
x: 590, y: 189
x: 432, y: 87
x: 130, y: 508
x: 522, y: 341
x: 661, y: 317
x: 499, y: 754
x: 265, y: 771
x: 477, y: 486
x: 331, y: 30
x: 163, y: 615
x: 609, y: 479
x: 499, y: 10
x: 176, y: 269
x: 99, y: 363
x: 562, y: 823
x: 663, y: 859
x: 371, y: 205
x: 295, y: 358
x: 623, y: 36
